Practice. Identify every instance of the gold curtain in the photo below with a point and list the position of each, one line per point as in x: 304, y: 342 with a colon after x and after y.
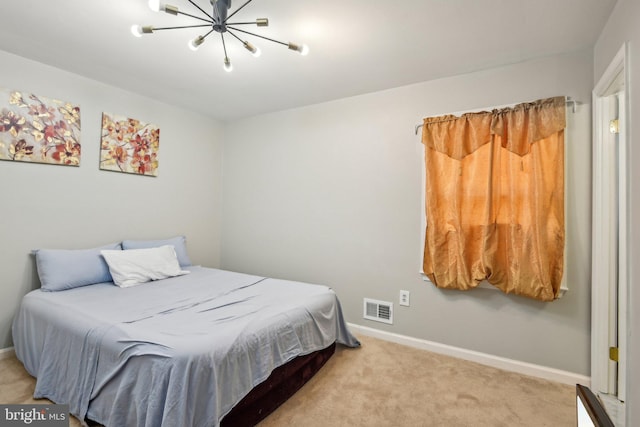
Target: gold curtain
x: 495, y: 199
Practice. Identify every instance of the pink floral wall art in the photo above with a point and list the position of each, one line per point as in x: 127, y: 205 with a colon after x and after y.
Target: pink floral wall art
x: 129, y: 146
x: 39, y: 130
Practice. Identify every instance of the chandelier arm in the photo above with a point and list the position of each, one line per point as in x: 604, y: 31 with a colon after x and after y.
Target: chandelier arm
x: 184, y: 26
x: 237, y: 10
x: 196, y: 17
x: 210, y: 31
x: 258, y: 35
x: 243, y: 23
x: 224, y: 46
x: 201, y: 10
x: 238, y: 38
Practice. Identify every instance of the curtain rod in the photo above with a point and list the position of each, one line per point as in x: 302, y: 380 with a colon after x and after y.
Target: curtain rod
x: 568, y: 101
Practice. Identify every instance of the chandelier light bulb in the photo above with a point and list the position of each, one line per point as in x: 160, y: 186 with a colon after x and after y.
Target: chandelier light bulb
x: 136, y: 30
x: 195, y: 43
x: 227, y: 65
x: 302, y: 49
x: 251, y: 48
x: 156, y: 6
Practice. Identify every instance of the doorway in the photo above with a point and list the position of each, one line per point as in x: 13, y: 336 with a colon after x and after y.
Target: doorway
x: 609, y: 238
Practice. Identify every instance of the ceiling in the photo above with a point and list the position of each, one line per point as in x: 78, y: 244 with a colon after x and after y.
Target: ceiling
x: 356, y: 46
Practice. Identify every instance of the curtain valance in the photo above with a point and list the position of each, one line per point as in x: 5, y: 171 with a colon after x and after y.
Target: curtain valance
x: 518, y: 126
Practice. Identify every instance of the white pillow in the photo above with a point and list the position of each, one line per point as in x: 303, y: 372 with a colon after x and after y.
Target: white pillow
x: 135, y: 266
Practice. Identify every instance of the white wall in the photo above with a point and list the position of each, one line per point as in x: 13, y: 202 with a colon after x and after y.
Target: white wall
x: 623, y: 27
x: 331, y: 194
x: 49, y: 206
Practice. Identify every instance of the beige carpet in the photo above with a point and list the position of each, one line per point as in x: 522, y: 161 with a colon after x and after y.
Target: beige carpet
x: 386, y: 384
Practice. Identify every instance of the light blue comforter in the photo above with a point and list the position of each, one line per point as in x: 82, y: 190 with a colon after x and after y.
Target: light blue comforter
x: 176, y: 352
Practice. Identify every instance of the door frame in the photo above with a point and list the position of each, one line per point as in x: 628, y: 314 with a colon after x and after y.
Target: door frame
x: 601, y: 235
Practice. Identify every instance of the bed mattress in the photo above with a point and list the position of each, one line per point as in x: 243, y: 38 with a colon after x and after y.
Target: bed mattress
x: 179, y: 351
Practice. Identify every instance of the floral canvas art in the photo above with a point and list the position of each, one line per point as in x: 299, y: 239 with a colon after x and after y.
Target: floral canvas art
x: 129, y: 145
x: 37, y: 129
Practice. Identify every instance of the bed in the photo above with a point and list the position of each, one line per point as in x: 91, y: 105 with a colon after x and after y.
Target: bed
x: 181, y: 351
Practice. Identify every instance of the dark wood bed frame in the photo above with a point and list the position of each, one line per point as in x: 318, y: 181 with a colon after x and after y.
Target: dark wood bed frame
x: 275, y: 390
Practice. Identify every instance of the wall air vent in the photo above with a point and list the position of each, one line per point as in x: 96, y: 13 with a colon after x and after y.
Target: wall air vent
x: 379, y: 311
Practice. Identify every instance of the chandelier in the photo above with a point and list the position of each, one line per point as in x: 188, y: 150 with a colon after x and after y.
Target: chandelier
x: 216, y: 22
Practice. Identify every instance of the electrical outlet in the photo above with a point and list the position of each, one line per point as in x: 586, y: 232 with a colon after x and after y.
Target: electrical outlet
x: 404, y: 298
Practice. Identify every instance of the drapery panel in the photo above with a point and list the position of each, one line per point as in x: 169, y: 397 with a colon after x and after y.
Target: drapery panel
x: 495, y: 199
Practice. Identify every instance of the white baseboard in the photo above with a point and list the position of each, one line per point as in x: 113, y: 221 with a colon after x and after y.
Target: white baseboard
x: 552, y: 374
x: 6, y: 353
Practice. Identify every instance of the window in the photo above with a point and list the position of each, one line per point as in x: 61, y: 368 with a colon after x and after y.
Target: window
x: 495, y: 199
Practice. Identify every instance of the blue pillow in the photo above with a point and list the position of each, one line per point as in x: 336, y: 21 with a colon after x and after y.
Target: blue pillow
x: 61, y: 269
x: 179, y: 243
